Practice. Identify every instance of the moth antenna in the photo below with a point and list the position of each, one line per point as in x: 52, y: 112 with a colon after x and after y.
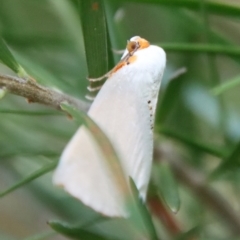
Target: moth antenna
x: 178, y: 73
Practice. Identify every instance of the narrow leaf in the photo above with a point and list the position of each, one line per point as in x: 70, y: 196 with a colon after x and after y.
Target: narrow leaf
x: 42, y: 236
x: 96, y: 40
x: 229, y: 163
x: 77, y: 232
x: 220, y: 8
x: 95, y: 37
x: 167, y: 185
x: 228, y: 85
x: 30, y: 113
x: 144, y: 214
x: 2, y: 93
x: 8, y: 59
x: 168, y: 101
x: 213, y: 150
x: 30, y: 178
x: 222, y: 49
x: 29, y: 153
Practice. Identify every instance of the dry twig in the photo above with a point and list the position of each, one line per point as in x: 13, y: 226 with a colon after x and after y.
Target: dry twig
x: 34, y: 92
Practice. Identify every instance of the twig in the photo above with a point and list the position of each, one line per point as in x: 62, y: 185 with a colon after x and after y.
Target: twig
x: 197, y: 184
x: 160, y: 211
x: 36, y: 93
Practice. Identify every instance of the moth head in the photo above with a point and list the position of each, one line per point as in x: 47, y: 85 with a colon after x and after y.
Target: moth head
x: 137, y: 43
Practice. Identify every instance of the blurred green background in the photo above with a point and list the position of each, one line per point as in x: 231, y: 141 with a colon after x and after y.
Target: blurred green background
x: 198, y: 113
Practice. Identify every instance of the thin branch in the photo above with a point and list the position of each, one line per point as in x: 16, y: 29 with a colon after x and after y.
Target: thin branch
x: 36, y: 93
x: 197, y: 183
x: 160, y: 211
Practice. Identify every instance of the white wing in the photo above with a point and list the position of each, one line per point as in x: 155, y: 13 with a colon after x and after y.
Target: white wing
x: 124, y: 109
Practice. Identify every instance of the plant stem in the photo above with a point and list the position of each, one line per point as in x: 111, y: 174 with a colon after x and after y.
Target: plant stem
x: 36, y: 93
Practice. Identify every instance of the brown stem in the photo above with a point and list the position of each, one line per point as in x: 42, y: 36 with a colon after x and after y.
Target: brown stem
x: 34, y: 92
x: 196, y: 182
x: 160, y: 211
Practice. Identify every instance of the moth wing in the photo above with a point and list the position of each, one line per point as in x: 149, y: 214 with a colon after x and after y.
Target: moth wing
x: 82, y: 171
x: 121, y: 111
x: 124, y: 109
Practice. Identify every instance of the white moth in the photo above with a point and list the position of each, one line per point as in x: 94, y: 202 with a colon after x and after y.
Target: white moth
x: 124, y: 109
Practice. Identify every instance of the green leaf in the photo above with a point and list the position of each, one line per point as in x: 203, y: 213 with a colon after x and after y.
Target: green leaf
x: 168, y: 101
x: 30, y: 113
x: 96, y: 40
x: 95, y: 37
x: 30, y: 178
x: 8, y: 59
x: 202, y: 48
x: 41, y: 74
x: 229, y: 163
x: 213, y: 150
x: 141, y: 213
x: 219, y: 8
x: 228, y: 85
x: 29, y: 153
x: 77, y: 232
x: 2, y: 93
x: 168, y: 187
x: 42, y: 236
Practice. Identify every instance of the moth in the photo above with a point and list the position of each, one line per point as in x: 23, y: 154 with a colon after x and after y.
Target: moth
x: 125, y: 110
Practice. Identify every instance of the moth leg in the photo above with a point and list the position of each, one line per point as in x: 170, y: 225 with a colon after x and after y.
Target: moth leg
x: 94, y: 89
x: 99, y: 78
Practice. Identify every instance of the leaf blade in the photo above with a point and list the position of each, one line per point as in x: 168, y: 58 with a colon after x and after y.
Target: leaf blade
x: 141, y: 210
x: 31, y: 177
x: 95, y: 37
x: 219, y: 8
x: 9, y: 60
x: 77, y: 232
x: 226, y: 86
x: 167, y: 185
